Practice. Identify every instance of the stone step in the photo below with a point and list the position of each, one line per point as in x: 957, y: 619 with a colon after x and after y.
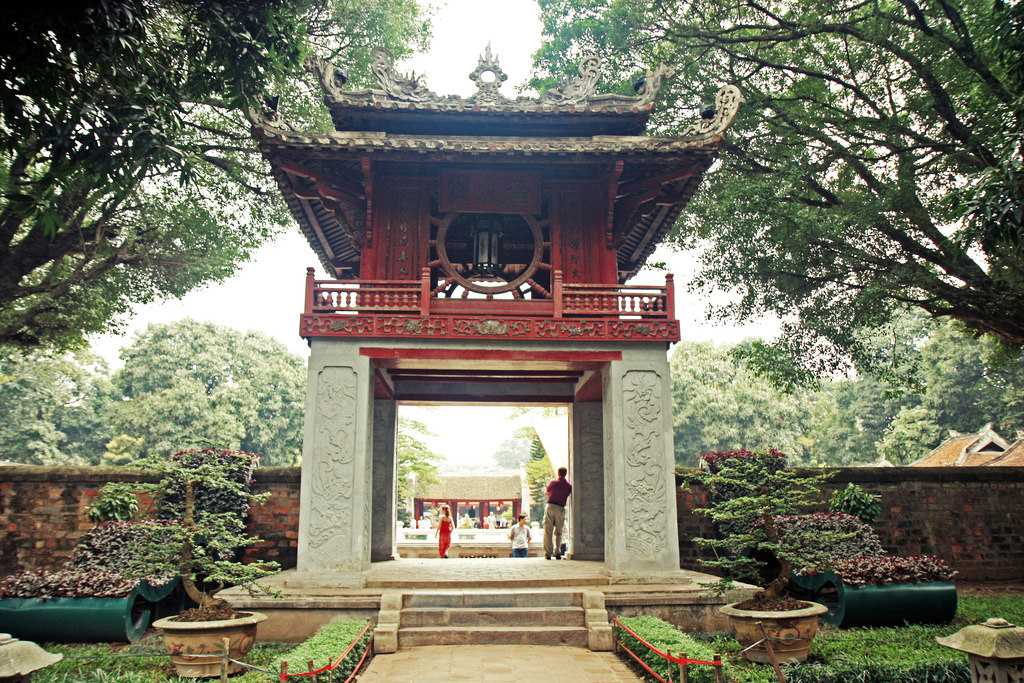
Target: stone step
x: 492, y: 635
x: 458, y: 599
x: 501, y: 616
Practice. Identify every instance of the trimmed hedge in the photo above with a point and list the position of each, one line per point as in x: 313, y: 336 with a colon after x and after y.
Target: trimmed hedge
x: 667, y: 638
x: 322, y: 648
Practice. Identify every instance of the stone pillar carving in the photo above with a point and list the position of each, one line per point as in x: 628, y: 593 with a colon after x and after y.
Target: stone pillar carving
x: 334, y: 510
x: 639, y: 464
x: 587, y: 449
x: 382, y: 541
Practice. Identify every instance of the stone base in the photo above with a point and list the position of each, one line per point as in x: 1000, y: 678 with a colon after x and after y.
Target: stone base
x: 306, y: 603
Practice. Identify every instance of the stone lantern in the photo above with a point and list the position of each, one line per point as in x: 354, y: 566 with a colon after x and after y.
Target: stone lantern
x: 995, y: 650
x: 19, y: 658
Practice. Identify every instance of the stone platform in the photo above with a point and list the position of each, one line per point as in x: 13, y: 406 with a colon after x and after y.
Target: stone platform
x: 306, y: 601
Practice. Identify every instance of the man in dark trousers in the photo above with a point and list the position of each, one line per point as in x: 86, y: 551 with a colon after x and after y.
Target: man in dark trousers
x: 554, y: 514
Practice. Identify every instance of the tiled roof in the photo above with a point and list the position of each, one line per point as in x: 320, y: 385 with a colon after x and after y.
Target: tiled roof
x: 1011, y: 457
x: 498, y: 487
x: 597, y: 145
x: 946, y: 453
x: 981, y: 449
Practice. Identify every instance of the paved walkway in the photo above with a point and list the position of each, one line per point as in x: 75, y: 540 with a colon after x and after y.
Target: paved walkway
x: 497, y: 664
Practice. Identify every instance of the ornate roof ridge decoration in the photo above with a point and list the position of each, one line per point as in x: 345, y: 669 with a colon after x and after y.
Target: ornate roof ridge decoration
x: 488, y: 90
x: 695, y: 136
x: 406, y: 87
x: 727, y: 105
x: 409, y: 92
x: 579, y: 89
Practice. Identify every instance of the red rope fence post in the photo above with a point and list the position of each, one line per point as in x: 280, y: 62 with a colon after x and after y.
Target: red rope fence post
x: 684, y: 672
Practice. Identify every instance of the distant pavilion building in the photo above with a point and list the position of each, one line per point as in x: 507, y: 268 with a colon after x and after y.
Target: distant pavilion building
x: 984, y: 448
x: 476, y: 496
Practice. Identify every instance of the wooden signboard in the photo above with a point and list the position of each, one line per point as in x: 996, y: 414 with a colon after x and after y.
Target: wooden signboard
x: 490, y: 192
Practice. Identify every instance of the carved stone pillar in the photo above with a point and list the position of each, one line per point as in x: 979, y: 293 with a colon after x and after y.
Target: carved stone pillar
x: 639, y: 464
x: 382, y: 542
x: 587, y: 470
x: 334, y: 511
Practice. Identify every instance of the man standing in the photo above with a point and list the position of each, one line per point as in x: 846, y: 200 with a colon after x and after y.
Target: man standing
x: 554, y: 514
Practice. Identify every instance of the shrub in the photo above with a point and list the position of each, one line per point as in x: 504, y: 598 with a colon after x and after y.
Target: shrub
x: 141, y: 550
x: 116, y: 502
x: 802, y: 537
x: 887, y: 569
x: 772, y: 458
x: 206, y: 491
x: 323, y: 647
x: 747, y: 493
x: 66, y: 583
x: 668, y: 638
x: 854, y: 500
x: 228, y: 492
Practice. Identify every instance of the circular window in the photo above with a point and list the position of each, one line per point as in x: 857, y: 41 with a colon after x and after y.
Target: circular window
x: 489, y: 253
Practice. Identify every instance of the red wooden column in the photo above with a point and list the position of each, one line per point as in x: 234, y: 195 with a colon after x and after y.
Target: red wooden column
x: 454, y: 505
x: 417, y: 508
x: 485, y: 509
x: 515, y: 510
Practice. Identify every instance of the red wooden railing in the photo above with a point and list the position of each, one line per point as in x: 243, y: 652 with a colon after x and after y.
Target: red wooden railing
x: 681, y: 661
x: 415, y: 296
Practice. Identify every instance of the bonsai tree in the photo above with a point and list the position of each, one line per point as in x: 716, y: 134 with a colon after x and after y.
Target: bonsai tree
x: 747, y: 492
x: 205, y: 495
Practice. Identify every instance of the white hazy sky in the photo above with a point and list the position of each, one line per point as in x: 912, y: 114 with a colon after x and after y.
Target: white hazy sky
x: 266, y: 293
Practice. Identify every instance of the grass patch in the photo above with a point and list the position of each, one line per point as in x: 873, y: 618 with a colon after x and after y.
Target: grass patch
x: 907, y: 654
x: 144, y: 662
x: 321, y: 648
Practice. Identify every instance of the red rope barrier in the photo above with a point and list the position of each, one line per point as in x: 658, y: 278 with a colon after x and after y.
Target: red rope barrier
x: 359, y: 664
x: 329, y: 666
x: 644, y: 664
x: 667, y: 656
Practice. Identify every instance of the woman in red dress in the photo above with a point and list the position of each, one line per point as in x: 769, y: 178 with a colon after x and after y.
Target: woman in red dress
x: 444, y: 532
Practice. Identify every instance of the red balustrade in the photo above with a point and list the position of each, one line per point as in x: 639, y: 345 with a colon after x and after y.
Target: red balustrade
x: 623, y: 302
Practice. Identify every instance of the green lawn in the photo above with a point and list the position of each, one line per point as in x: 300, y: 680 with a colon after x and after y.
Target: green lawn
x: 883, y: 655
x: 105, y: 663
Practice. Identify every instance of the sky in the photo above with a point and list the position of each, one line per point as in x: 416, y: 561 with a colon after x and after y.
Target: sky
x: 266, y: 293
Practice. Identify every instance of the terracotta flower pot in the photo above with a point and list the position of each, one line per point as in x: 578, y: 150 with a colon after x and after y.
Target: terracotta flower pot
x: 791, y: 632
x: 185, y: 639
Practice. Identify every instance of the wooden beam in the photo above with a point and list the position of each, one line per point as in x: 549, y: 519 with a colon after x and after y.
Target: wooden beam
x: 491, y: 354
x: 335, y: 188
x: 314, y: 223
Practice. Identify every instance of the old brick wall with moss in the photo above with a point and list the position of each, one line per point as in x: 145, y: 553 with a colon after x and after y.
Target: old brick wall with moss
x: 44, y: 510
x: 971, y: 517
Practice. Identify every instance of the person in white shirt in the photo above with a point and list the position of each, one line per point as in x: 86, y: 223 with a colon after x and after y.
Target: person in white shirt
x: 520, y: 537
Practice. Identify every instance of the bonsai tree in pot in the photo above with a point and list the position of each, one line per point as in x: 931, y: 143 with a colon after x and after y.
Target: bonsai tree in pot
x: 747, y: 491
x: 206, y: 495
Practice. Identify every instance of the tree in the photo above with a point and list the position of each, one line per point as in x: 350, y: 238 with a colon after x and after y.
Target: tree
x: 539, y: 471
x: 414, y: 458
x: 719, y: 404
x: 52, y: 407
x: 913, y: 432
x: 191, y: 384
x: 876, y: 163
x: 512, y: 453
x: 127, y: 168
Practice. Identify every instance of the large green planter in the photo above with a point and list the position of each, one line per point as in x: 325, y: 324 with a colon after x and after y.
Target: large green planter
x: 929, y: 602
x: 83, y: 619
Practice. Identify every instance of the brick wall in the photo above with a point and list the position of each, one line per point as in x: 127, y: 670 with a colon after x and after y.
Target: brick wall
x: 44, y: 510
x: 972, y: 517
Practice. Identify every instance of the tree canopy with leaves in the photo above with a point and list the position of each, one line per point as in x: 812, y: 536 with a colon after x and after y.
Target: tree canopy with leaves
x: 127, y: 168
x: 875, y: 164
